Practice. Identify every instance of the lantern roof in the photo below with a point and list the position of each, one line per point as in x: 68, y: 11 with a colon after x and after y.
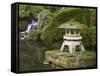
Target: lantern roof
x: 72, y: 24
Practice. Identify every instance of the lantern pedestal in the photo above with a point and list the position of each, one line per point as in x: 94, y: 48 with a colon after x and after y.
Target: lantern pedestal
x: 72, y: 46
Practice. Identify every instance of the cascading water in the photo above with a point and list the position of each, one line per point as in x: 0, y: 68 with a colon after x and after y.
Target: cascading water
x: 31, y: 26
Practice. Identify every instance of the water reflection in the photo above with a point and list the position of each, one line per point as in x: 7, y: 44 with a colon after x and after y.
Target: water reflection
x: 32, y: 56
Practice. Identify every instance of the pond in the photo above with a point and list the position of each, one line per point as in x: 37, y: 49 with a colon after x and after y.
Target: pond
x: 32, y: 56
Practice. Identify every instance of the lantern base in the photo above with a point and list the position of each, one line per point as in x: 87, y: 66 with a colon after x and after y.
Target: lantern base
x: 72, y: 46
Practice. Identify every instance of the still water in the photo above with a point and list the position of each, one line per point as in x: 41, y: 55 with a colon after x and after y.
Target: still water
x: 32, y: 56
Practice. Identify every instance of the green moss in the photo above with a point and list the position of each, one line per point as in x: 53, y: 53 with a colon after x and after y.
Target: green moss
x: 67, y: 60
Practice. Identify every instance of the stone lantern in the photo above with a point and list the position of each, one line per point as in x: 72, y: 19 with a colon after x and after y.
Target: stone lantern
x: 72, y: 37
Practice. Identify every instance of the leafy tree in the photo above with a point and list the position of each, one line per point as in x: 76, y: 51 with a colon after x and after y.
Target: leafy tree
x: 89, y: 37
x: 53, y: 34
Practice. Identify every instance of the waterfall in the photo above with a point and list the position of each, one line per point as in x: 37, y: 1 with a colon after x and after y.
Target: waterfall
x: 42, y: 16
x: 31, y: 26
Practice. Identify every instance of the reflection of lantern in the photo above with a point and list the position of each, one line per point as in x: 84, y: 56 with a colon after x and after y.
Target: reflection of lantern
x: 72, y: 37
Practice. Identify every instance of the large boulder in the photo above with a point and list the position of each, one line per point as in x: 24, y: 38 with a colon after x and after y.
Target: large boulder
x: 67, y: 60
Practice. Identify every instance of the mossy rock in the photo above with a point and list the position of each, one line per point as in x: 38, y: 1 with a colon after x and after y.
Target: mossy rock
x: 67, y: 60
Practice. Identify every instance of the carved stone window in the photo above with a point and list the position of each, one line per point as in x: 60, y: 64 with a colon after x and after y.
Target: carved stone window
x: 67, y: 31
x: 77, y: 32
x: 72, y: 32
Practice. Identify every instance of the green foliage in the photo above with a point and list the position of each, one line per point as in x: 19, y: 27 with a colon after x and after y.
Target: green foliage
x: 88, y: 54
x: 33, y: 35
x: 88, y: 58
x: 51, y: 32
x: 56, y: 45
x: 23, y: 25
x: 23, y: 10
x: 89, y: 37
x: 29, y: 11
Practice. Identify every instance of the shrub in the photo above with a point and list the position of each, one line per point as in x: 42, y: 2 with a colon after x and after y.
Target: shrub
x: 51, y: 32
x: 33, y: 35
x: 54, y: 34
x: 22, y: 25
x: 89, y: 38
